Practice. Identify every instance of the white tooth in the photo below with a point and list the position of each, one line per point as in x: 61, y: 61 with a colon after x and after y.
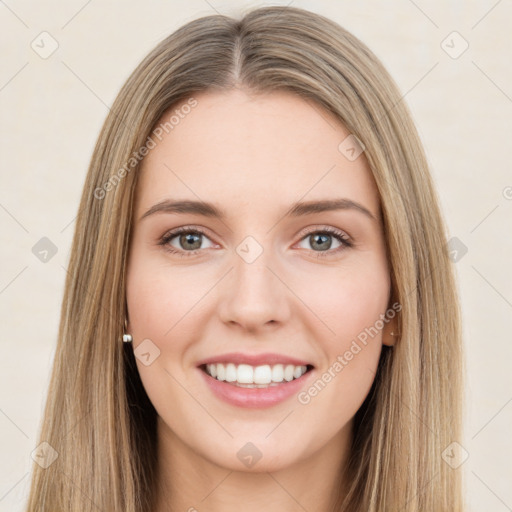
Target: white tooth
x: 230, y: 372
x: 258, y: 376
x: 245, y: 374
x: 299, y: 370
x: 221, y: 372
x: 262, y: 374
x: 277, y: 373
x: 288, y: 372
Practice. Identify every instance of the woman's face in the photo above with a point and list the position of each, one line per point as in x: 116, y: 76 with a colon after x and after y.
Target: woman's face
x: 248, y: 276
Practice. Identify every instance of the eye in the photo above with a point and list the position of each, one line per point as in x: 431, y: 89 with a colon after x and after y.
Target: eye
x: 321, y: 241
x: 188, y: 241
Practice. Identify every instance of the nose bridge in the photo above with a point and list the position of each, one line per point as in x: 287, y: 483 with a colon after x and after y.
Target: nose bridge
x: 254, y: 296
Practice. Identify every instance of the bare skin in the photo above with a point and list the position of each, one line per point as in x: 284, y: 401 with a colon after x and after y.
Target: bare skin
x: 305, y: 296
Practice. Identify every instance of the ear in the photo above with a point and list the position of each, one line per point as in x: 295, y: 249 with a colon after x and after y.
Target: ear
x: 390, y: 332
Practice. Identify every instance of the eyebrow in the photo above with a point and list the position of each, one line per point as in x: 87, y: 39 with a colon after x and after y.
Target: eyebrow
x: 297, y: 209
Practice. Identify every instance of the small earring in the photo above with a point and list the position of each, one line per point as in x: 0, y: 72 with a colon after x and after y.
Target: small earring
x: 127, y: 338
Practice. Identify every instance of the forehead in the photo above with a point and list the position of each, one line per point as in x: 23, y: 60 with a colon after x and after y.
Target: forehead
x: 236, y: 148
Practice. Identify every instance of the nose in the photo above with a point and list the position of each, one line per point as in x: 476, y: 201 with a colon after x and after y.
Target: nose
x: 253, y: 296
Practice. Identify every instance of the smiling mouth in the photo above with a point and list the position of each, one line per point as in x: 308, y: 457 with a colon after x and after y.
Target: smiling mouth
x: 261, y: 376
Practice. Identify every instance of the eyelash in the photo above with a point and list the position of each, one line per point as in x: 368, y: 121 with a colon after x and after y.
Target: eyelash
x: 339, y: 235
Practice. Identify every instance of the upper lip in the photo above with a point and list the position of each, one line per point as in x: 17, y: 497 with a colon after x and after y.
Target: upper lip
x: 254, y: 359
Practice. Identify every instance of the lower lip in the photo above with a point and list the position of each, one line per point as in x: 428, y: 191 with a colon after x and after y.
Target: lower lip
x: 255, y: 397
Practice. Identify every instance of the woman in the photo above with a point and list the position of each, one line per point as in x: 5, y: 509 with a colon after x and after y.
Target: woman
x: 263, y: 366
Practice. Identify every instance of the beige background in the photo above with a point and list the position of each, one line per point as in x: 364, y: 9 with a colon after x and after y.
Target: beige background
x: 51, y: 112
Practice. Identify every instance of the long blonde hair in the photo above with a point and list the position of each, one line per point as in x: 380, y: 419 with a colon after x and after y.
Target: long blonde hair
x: 98, y: 417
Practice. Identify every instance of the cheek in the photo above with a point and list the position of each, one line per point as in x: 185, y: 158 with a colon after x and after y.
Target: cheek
x: 150, y: 305
x: 351, y: 306
x: 352, y: 353
x: 160, y: 299
x: 160, y: 308
x: 351, y: 302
